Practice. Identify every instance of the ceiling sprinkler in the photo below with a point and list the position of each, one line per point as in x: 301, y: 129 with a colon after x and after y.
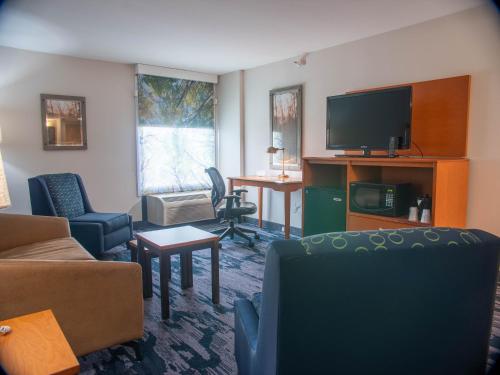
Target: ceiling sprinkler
x: 301, y: 60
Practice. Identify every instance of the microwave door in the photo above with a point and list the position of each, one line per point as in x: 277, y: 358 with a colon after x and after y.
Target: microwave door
x: 368, y: 198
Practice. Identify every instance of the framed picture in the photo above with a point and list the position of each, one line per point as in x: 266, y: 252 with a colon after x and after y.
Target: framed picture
x: 286, y: 127
x: 63, y: 122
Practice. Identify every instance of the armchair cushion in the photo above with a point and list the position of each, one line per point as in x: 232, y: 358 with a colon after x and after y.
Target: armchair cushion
x: 110, y: 221
x: 65, y: 193
x: 57, y: 249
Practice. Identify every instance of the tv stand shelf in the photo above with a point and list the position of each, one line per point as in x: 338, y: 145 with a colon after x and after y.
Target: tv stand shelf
x: 444, y: 179
x: 364, y: 219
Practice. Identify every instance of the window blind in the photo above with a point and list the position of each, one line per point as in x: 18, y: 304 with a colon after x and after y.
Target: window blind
x: 176, y: 134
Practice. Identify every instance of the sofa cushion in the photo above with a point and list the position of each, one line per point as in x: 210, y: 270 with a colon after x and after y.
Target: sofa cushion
x: 58, y: 249
x: 65, y: 194
x: 110, y: 221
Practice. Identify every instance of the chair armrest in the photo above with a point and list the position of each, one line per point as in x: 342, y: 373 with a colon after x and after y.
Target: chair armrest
x: 246, y: 325
x: 229, y: 204
x: 232, y: 196
x: 19, y: 230
x: 98, y: 304
x: 89, y: 235
x: 247, y: 321
x: 239, y: 191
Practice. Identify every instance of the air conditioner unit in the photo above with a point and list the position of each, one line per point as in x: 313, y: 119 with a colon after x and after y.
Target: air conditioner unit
x: 179, y: 208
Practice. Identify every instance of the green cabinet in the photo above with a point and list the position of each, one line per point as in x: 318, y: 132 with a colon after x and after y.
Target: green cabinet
x: 324, y: 210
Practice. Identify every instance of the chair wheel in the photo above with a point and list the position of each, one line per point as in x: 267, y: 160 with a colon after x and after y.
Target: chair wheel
x: 250, y: 244
x: 257, y: 237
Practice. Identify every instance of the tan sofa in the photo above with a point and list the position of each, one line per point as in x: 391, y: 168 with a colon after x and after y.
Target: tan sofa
x: 98, y: 304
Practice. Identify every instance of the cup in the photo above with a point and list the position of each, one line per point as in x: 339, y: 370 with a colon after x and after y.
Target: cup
x: 426, y: 216
x: 4, y: 330
x: 413, y: 216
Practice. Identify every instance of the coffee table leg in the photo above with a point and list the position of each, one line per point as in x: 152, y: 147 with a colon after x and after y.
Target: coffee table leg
x: 145, y: 262
x: 149, y: 273
x: 215, y: 272
x: 186, y: 270
x: 164, y: 276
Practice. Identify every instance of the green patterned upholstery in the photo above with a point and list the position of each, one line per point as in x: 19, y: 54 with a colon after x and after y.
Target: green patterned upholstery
x: 408, y: 301
x: 65, y: 193
x: 387, y: 240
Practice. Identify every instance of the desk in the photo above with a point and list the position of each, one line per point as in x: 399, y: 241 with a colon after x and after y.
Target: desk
x: 36, y: 346
x: 287, y: 186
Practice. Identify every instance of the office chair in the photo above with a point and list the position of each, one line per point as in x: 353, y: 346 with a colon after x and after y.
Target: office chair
x: 233, y: 209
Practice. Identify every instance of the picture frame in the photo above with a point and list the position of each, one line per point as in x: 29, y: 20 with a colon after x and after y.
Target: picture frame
x: 64, y: 123
x: 285, y: 111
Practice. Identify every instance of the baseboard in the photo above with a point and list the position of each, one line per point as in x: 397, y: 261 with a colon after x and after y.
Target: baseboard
x: 144, y: 224
x: 269, y: 225
x: 272, y: 226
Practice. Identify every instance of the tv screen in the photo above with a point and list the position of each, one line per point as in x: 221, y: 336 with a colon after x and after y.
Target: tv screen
x: 367, y: 120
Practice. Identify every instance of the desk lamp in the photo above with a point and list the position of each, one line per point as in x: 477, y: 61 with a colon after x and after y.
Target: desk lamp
x: 274, y: 150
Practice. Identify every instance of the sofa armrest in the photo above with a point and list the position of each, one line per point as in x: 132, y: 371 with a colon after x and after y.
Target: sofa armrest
x: 98, y: 304
x: 19, y: 230
x: 246, y: 327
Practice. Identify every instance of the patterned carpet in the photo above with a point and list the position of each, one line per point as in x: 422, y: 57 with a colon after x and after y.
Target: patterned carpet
x: 198, y: 338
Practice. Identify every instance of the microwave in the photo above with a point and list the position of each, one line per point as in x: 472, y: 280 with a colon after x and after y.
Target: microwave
x: 380, y: 199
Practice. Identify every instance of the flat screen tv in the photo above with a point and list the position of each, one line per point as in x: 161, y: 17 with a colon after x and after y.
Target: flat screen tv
x: 367, y: 120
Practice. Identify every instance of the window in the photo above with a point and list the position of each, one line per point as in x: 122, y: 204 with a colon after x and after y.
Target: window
x: 176, y: 134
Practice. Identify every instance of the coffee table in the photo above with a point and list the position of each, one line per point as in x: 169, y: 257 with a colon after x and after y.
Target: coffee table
x: 166, y: 242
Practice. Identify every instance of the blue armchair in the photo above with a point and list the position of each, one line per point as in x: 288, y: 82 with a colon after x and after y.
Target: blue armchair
x: 64, y: 195
x: 410, y: 301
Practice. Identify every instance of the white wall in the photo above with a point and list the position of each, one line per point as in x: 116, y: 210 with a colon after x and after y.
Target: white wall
x: 464, y: 43
x: 108, y: 166
x: 229, y: 124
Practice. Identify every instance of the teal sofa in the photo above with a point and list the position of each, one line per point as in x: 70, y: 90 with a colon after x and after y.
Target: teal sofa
x: 409, y: 301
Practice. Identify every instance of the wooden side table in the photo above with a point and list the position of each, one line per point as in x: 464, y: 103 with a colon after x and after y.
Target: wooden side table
x: 166, y: 242
x: 36, y: 346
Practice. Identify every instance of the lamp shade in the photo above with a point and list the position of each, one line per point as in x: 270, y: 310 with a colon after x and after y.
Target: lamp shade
x: 4, y: 191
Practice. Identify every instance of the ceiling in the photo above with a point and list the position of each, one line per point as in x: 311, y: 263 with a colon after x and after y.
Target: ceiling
x: 213, y: 36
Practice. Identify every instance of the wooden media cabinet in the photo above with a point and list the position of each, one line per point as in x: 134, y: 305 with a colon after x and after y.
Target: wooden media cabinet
x: 444, y: 179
